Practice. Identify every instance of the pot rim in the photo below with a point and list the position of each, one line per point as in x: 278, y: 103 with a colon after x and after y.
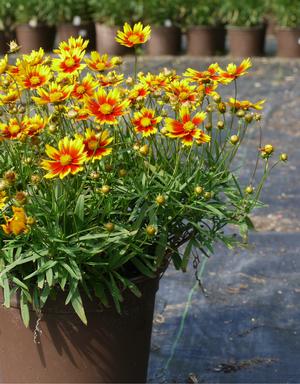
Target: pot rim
x: 244, y: 28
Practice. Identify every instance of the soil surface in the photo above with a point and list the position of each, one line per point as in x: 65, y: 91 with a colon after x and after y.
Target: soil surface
x: 246, y: 327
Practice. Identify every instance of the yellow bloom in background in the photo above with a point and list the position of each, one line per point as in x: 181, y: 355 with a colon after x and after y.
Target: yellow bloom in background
x: 181, y: 92
x: 69, y: 62
x: 85, y: 87
x: 95, y: 144
x: 10, y: 97
x: 32, y: 77
x: 33, y: 125
x: 106, y: 107
x: 71, y: 44
x: 245, y: 104
x: 67, y: 159
x: 110, y: 79
x: 56, y: 93
x: 133, y: 36
x: 12, y: 130
x: 204, y: 77
x: 234, y: 71
x: 145, y: 122
x: 17, y: 224
x: 35, y: 57
x: 99, y: 63
x: 138, y: 92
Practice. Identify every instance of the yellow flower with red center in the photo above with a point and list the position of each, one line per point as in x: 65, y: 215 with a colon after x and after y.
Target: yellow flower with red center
x: 17, y: 224
x: 208, y: 89
x: 181, y: 92
x: 32, y: 77
x: 85, y: 87
x: 133, y: 36
x: 95, y: 144
x: 71, y: 44
x: 233, y: 71
x: 56, y: 93
x: 99, y: 63
x: 10, y: 97
x: 35, y: 57
x: 110, y: 79
x: 154, y: 82
x: 137, y: 93
x: 3, y: 199
x: 106, y: 107
x: 33, y: 125
x: 67, y: 159
x: 12, y: 130
x: 204, y: 77
x: 69, y: 62
x: 145, y: 122
x: 245, y: 104
x: 77, y: 112
x: 187, y: 128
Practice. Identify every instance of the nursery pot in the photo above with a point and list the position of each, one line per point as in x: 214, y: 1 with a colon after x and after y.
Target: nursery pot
x: 86, y: 30
x: 106, y: 43
x: 30, y: 38
x: 246, y: 41
x: 112, y: 348
x: 288, y: 42
x: 164, y: 41
x: 205, y: 40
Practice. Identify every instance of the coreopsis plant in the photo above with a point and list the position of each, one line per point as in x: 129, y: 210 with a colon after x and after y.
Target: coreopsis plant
x: 103, y: 177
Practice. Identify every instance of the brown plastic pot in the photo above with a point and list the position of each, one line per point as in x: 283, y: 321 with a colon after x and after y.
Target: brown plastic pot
x: 246, y: 41
x: 288, y: 42
x: 30, y: 38
x: 205, y: 40
x: 106, y: 43
x: 86, y: 30
x: 112, y: 348
x: 164, y: 41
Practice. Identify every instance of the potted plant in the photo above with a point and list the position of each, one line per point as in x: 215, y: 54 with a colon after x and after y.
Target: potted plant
x: 35, y: 21
x: 205, y: 28
x: 7, y: 24
x: 246, y: 27
x: 74, y: 19
x: 287, y: 15
x: 109, y: 16
x: 99, y: 188
x: 165, y: 17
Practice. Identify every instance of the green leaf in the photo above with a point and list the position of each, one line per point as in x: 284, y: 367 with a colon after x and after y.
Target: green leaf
x: 160, y: 249
x: 177, y: 261
x: 18, y: 262
x: 79, y: 208
x: 24, y: 309
x: 77, y: 304
x: 6, y: 292
x: 186, y: 254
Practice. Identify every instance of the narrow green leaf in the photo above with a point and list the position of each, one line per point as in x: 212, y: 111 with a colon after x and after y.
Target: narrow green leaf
x: 77, y: 304
x: 24, y: 309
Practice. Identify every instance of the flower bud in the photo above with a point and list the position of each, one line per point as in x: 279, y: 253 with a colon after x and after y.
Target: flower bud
x: 283, y: 157
x: 94, y: 175
x: 220, y: 124
x: 249, y: 117
x: 52, y: 128
x: 208, y: 195
x: 160, y: 200
x: 144, y: 150
x: 30, y: 220
x: 10, y: 177
x: 122, y: 172
x: 208, y: 126
x: 234, y: 139
x: 163, y: 131
x: 3, y: 185
x: 105, y: 189
x: 217, y: 98
x: 21, y: 197
x: 268, y: 149
x: 109, y: 227
x: 150, y: 230
x: 35, y: 179
x: 209, y: 108
x: 108, y: 167
x: 240, y: 113
x: 249, y: 189
x: 198, y: 190
x: 257, y: 116
x: 222, y: 107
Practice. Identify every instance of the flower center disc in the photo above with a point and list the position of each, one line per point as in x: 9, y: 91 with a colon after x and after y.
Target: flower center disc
x: 80, y: 89
x: 188, y: 126
x: 65, y: 159
x: 35, y: 80
x: 105, y: 108
x: 93, y: 144
x: 70, y: 62
x: 145, y: 122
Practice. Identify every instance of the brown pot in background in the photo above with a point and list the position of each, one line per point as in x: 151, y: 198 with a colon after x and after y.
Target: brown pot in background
x: 288, y: 42
x: 112, y: 348
x: 30, y: 38
x: 106, y: 43
x: 206, y: 40
x: 86, y: 30
x: 246, y: 41
x: 164, y: 41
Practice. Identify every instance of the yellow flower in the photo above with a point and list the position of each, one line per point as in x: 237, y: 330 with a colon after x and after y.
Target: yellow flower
x: 99, y: 63
x: 3, y: 199
x: 17, y: 224
x: 3, y: 64
x: 133, y: 36
x: 56, y: 93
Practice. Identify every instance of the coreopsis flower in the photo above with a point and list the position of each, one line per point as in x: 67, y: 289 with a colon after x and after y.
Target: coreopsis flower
x: 153, y: 82
x: 187, y: 128
x: 10, y: 97
x: 13, y: 47
x: 233, y: 71
x: 12, y: 130
x: 245, y: 104
x: 3, y: 199
x: 56, y: 93
x: 145, y: 122
x: 204, y: 77
x: 32, y: 77
x: 137, y: 93
x: 95, y: 144
x: 99, y: 63
x: 181, y: 92
x: 3, y: 64
x: 208, y: 89
x: 72, y: 43
x: 35, y: 57
x: 106, y: 107
x: 77, y: 112
x: 85, y: 87
x: 133, y: 36
x: 67, y: 159
x: 110, y: 79
x: 16, y: 224
x: 69, y: 62
x: 33, y: 125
